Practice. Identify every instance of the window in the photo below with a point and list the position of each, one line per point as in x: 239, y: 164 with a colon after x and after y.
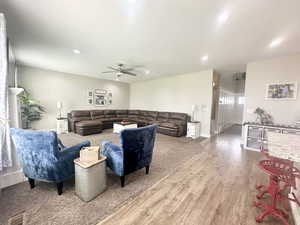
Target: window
x: 241, y: 100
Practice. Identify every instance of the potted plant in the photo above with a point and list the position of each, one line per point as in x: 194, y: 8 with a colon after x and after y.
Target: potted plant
x: 31, y: 110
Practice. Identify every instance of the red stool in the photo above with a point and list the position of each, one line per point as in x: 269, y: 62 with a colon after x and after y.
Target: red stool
x: 295, y: 173
x: 280, y: 171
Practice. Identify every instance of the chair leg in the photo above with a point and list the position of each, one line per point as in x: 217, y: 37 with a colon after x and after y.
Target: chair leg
x: 147, y: 169
x: 122, y: 181
x: 59, y: 187
x: 31, y: 183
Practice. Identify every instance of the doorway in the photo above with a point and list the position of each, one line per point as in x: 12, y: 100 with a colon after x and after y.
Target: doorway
x: 231, y: 100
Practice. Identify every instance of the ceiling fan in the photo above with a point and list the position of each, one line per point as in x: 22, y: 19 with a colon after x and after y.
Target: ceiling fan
x: 120, y: 69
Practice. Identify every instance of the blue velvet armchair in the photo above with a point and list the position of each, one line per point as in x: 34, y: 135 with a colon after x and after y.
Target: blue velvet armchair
x: 134, y: 153
x: 44, y: 157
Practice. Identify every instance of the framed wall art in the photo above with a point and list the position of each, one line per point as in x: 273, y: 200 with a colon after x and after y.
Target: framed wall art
x: 99, y: 99
x: 90, y: 93
x: 282, y: 91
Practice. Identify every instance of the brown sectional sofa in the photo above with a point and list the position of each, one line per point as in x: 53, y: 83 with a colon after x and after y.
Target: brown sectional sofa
x: 85, y: 122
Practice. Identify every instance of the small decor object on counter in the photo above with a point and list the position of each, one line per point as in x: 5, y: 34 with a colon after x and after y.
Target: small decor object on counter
x: 282, y: 91
x: 90, y: 154
x: 263, y: 117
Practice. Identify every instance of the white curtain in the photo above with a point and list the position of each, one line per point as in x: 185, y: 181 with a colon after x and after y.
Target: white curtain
x: 5, y: 141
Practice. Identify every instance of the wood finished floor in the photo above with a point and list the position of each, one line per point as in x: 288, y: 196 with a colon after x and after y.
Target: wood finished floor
x: 216, y: 187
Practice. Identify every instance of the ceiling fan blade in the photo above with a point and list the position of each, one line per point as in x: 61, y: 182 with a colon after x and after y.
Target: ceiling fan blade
x: 116, y: 69
x: 137, y: 66
x: 129, y: 73
x: 128, y: 69
x: 109, y: 72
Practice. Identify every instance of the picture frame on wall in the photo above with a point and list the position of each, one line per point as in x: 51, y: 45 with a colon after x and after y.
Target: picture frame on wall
x: 90, y: 93
x: 100, y: 91
x: 99, y: 100
x: 109, y: 98
x: 90, y: 101
x: 282, y: 91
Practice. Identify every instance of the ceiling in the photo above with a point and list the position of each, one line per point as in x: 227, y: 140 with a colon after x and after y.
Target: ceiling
x: 167, y: 36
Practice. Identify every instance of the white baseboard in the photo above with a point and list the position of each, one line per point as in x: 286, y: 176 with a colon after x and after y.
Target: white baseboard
x: 12, y: 178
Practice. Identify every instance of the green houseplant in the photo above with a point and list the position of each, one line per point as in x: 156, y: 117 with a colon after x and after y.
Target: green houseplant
x: 31, y: 110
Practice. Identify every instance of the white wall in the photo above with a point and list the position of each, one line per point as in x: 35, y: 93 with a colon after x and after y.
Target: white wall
x: 48, y: 87
x: 259, y: 74
x: 176, y: 94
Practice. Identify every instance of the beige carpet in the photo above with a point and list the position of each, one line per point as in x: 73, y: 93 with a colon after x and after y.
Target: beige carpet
x: 42, y: 205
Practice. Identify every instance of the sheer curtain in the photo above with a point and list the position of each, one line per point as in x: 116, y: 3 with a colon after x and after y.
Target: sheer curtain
x: 5, y: 142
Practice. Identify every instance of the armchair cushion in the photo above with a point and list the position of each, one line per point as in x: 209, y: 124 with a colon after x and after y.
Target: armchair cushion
x: 40, y: 156
x: 115, y: 159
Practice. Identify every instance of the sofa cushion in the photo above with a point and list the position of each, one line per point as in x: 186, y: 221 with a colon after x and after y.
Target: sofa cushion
x: 178, y: 116
x: 143, y: 112
x: 81, y: 113
x: 77, y: 119
x: 89, y: 123
x: 152, y: 115
x: 109, y: 113
x: 177, y: 122
x: 97, y: 114
x: 111, y: 119
x: 168, y: 125
x: 133, y: 112
x: 132, y: 118
x: 122, y: 113
x: 163, y: 116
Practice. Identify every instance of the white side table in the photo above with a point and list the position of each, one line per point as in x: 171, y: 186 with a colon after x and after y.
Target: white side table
x: 118, y: 127
x: 90, y: 178
x: 193, y: 129
x: 61, y: 125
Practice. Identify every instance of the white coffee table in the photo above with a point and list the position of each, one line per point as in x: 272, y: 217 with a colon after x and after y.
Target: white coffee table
x: 118, y: 127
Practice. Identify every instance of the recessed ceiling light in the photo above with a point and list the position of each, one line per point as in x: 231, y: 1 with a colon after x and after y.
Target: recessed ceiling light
x: 204, y: 58
x: 132, y: 1
x: 147, y: 72
x: 275, y: 43
x: 76, y: 51
x: 222, y: 18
